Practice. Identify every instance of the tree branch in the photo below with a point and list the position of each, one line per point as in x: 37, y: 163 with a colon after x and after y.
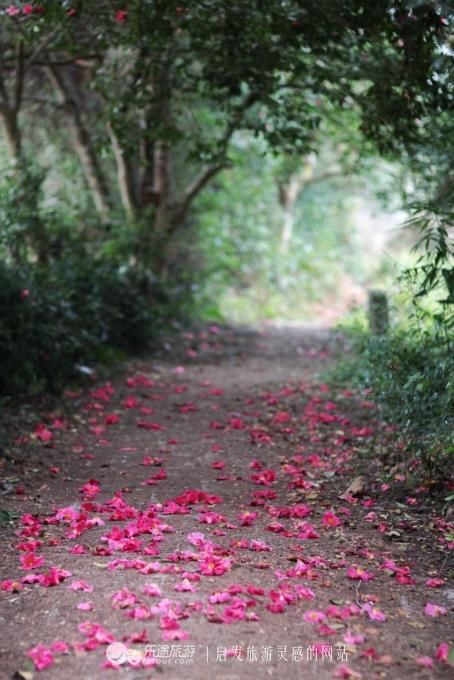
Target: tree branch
x: 207, y: 173
x: 197, y: 185
x: 41, y: 47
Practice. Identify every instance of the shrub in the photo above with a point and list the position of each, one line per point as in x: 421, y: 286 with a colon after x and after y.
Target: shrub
x: 412, y: 375
x: 68, y: 313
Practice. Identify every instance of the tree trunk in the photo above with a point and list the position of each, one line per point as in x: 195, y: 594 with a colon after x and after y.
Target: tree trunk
x: 289, y: 192
x: 92, y: 172
x: 12, y: 133
x: 82, y: 144
x: 288, y: 227
x: 291, y: 189
x: 124, y: 174
x: 145, y: 190
x: 163, y: 188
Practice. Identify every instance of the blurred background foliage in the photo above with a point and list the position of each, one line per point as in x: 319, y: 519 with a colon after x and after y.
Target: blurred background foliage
x: 344, y: 225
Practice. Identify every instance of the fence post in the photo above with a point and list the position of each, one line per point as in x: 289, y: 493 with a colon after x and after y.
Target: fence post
x: 378, y: 312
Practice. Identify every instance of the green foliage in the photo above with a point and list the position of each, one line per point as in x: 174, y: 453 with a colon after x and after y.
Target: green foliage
x: 57, y: 317
x: 8, y: 518
x: 410, y: 371
x: 22, y: 228
x: 412, y: 375
x: 35, y: 225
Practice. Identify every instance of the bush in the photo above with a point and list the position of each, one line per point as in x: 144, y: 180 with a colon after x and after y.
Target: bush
x: 57, y: 317
x: 412, y: 375
x: 410, y: 371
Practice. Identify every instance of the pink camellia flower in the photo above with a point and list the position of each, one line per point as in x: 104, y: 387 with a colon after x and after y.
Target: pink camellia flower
x: 281, y: 417
x: 42, y: 433
x: 96, y: 633
x: 27, y: 8
x: 373, y: 612
x: 121, y: 15
x: 10, y: 586
x: 68, y: 514
x: 442, y: 652
x: 235, y: 611
x: 219, y: 597
x: 304, y: 593
x: 390, y: 565
x: 25, y: 292
x: 434, y: 610
x: 359, y: 574
x: 265, y: 477
x: 81, y: 585
x: 435, y: 582
x: 370, y: 517
x: 344, y: 671
x: 123, y: 598
x: 425, y: 661
x: 85, y: 606
x: 313, y: 616
x: 140, y: 613
x: 59, y: 647
x: 197, y: 538
x: 78, y: 550
x: 91, y: 488
x: 213, y: 565
x: 185, y: 586
x: 12, y: 11
x: 307, y: 531
x: 330, y: 519
x: 152, y: 589
x: 259, y: 545
x: 175, y: 634
x: 211, y: 518
x: 31, y: 561
x: 277, y: 606
x: 53, y: 577
x: 404, y: 577
x: 352, y: 639
x: 41, y: 656
x: 247, y: 518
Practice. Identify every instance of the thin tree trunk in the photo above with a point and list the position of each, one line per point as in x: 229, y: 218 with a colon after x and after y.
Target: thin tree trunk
x: 289, y: 193
x: 124, y: 174
x: 287, y: 230
x: 291, y: 190
x: 163, y: 188
x: 145, y: 192
x: 82, y: 144
x: 10, y: 105
x: 12, y: 133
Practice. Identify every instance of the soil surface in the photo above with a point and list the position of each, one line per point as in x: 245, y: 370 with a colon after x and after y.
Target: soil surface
x: 184, y: 520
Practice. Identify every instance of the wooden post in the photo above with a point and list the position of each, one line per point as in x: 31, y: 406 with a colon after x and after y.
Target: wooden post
x: 378, y: 312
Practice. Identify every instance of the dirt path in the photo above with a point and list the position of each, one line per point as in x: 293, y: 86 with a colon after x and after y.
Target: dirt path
x: 191, y: 508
